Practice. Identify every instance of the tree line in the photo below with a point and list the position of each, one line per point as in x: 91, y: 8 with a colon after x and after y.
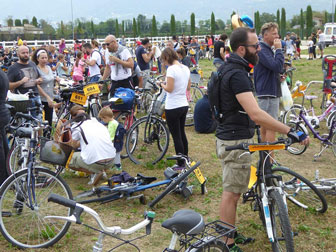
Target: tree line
x: 142, y: 26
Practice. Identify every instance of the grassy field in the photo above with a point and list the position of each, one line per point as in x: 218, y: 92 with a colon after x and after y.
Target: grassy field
x: 316, y: 232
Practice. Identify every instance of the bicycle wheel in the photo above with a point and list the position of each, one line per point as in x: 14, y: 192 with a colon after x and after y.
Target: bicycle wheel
x: 195, y: 94
x: 146, y: 101
x: 124, y: 118
x: 25, y: 227
x: 292, y: 115
x: 174, y: 184
x: 330, y: 119
x: 147, y: 142
x: 301, y: 191
x: 94, y: 109
x: 282, y: 230
x: 297, y: 148
x: 215, y: 246
x: 333, y: 141
x: 97, y: 196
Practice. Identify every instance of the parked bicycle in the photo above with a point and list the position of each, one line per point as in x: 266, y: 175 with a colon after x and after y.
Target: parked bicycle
x: 23, y: 202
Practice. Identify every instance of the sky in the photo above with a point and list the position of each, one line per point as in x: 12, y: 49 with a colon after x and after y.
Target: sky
x: 101, y: 10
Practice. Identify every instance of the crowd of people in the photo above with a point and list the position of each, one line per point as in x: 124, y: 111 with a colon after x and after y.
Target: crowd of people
x: 96, y: 137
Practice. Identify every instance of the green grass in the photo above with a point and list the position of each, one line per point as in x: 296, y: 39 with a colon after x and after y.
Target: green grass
x: 317, y: 232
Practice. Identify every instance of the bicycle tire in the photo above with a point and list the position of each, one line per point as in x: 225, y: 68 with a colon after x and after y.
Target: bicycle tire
x: 283, y: 235
x: 292, y: 114
x: 214, y: 246
x: 324, y: 102
x: 297, y: 148
x: 104, y: 196
x: 195, y: 94
x: 333, y: 141
x: 175, y: 182
x: 14, y: 155
x: 124, y: 119
x: 330, y: 119
x: 27, y: 228
x: 301, y: 191
x: 94, y: 109
x: 147, y: 142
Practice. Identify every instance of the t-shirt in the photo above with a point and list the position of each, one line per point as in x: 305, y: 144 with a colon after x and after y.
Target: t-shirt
x: 310, y: 43
x: 141, y: 62
x: 60, y: 71
x: 95, y: 70
x: 18, y: 71
x: 119, y: 72
x: 4, y: 85
x: 78, y: 70
x: 218, y: 46
x: 112, y: 128
x: 47, y: 84
x: 289, y: 46
x: 99, y: 145
x: 321, y: 38
x: 178, y: 98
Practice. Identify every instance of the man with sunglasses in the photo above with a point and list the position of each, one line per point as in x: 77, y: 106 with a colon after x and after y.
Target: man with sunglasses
x: 267, y: 75
x: 240, y: 115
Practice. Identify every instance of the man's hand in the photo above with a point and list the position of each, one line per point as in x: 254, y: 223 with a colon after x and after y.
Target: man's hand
x: 277, y: 44
x: 39, y: 81
x: 24, y: 80
x: 113, y: 59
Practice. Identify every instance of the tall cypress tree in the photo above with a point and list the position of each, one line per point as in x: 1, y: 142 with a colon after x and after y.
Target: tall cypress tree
x: 134, y: 28
x: 278, y: 18
x: 192, y: 24
x: 257, y: 24
x: 301, y: 24
x: 123, y: 27
x: 309, y: 21
x: 154, y: 27
x: 213, y: 24
x: 283, y: 23
x: 325, y: 16
x: 172, y: 25
x: 117, y: 28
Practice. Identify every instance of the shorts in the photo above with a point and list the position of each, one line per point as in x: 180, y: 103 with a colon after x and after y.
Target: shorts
x: 236, y: 167
x: 270, y: 105
x: 310, y: 50
x: 77, y: 78
x: 77, y: 162
x: 321, y: 45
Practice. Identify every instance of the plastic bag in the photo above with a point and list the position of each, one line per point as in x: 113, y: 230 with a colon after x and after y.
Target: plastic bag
x: 286, y: 99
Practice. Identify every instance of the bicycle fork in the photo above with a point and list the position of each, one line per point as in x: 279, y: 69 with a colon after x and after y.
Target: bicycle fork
x: 266, y: 211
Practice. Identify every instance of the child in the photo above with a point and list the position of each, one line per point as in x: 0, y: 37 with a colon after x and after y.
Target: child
x: 106, y: 115
x: 310, y: 48
x: 79, y: 68
x: 61, y: 67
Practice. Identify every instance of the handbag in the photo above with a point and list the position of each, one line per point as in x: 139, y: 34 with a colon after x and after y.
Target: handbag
x: 286, y: 99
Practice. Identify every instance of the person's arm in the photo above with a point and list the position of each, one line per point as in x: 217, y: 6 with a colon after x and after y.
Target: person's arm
x: 189, y: 84
x: 107, y: 72
x: 169, y: 85
x: 16, y: 84
x: 44, y: 94
x: 148, y: 56
x: 64, y: 67
x: 275, y: 63
x: 126, y: 64
x: 222, y: 52
x: 259, y: 116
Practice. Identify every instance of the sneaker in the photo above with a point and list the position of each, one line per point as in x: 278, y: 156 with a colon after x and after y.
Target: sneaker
x: 241, y: 239
x: 235, y: 248
x: 118, y: 167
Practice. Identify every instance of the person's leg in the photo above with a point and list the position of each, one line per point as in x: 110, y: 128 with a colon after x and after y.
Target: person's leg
x: 183, y: 116
x: 48, y: 112
x: 264, y: 105
x: 3, y: 155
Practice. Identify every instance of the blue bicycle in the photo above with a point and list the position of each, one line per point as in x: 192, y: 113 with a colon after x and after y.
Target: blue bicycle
x: 125, y: 186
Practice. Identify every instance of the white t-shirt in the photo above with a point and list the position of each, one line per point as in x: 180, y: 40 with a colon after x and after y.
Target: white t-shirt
x: 95, y: 70
x: 123, y: 72
x: 310, y: 43
x: 178, y: 98
x: 321, y: 37
x: 99, y: 145
x: 104, y: 52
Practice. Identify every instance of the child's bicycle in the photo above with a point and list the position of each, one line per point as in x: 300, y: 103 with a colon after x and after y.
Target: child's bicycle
x: 188, y: 228
x: 116, y: 188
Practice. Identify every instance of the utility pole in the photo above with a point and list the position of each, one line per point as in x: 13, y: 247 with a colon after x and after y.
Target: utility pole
x: 73, y: 27
x: 333, y: 11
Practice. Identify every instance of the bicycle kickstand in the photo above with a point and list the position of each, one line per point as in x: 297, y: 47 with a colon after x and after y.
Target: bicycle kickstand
x: 323, y: 147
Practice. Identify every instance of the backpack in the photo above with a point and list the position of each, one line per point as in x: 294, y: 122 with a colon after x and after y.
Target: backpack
x: 214, y: 91
x: 102, y: 61
x: 118, y: 141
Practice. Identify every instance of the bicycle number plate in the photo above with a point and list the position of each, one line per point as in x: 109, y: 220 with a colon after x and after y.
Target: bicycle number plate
x: 198, y: 174
x: 91, y: 89
x: 78, y: 98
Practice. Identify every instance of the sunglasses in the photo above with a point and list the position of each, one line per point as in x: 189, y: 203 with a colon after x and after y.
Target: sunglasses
x: 255, y: 46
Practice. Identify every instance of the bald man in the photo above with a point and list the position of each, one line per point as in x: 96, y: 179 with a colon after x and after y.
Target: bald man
x: 24, y: 76
x: 119, y: 65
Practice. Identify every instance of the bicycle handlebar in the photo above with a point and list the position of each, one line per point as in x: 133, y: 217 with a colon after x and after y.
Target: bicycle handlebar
x: 245, y: 146
x: 62, y: 201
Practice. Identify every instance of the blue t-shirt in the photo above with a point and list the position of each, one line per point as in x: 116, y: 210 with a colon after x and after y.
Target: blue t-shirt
x: 142, y: 64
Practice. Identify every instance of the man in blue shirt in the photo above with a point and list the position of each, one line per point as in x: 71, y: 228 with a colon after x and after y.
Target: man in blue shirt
x: 267, y: 75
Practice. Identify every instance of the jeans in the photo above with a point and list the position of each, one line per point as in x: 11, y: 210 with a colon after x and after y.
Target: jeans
x: 94, y: 78
x: 218, y: 62
x: 36, y: 102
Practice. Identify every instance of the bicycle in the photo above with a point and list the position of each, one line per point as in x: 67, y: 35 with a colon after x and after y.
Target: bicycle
x: 23, y: 202
x: 116, y: 189
x: 268, y: 195
x: 298, y: 122
x: 147, y: 140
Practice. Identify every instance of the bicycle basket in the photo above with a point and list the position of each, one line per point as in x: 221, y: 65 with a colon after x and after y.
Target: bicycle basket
x: 21, y: 106
x: 54, y: 152
x: 195, y: 78
x: 158, y: 108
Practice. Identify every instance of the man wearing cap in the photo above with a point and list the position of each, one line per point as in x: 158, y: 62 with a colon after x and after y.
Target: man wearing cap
x: 267, y: 75
x: 119, y: 65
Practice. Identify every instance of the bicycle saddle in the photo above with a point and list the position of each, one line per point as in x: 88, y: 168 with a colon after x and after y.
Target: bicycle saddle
x: 185, y: 221
x: 311, y: 97
x: 146, y: 180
